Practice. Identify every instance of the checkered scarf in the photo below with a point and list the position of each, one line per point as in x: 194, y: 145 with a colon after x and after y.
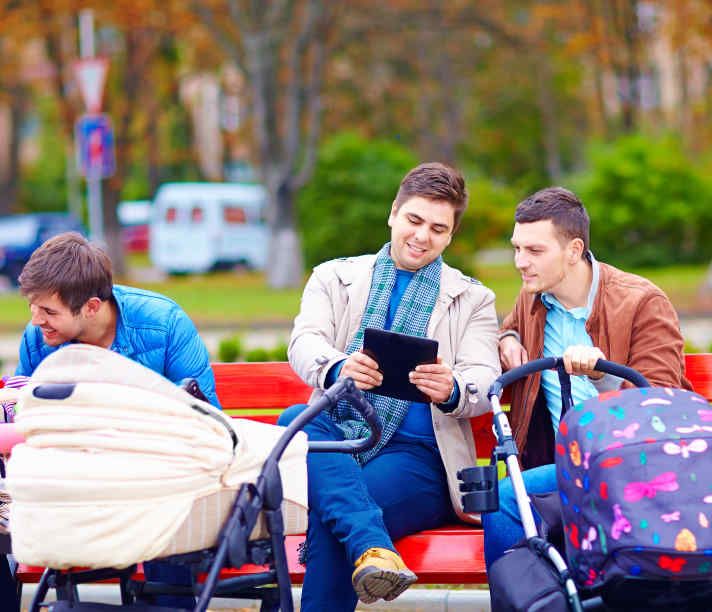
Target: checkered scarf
x: 411, y: 317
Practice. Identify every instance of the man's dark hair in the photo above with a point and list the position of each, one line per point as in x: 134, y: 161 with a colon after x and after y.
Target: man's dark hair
x: 435, y: 181
x: 70, y: 266
x: 562, y: 208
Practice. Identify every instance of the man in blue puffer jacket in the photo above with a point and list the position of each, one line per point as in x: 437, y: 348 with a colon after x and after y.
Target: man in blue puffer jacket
x: 68, y: 283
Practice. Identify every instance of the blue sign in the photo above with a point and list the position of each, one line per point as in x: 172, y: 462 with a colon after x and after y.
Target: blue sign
x: 94, y: 137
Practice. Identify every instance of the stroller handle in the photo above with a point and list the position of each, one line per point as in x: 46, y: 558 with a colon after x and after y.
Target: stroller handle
x: 551, y: 363
x: 346, y: 389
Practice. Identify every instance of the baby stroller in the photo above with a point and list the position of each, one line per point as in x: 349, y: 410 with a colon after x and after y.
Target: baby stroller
x: 253, y: 532
x: 627, y: 465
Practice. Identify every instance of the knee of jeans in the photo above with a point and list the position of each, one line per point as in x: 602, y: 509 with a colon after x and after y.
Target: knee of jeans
x: 290, y: 414
x: 506, y: 490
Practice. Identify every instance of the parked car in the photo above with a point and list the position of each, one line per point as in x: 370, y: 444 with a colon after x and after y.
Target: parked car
x: 134, y: 218
x: 20, y: 235
x: 197, y: 227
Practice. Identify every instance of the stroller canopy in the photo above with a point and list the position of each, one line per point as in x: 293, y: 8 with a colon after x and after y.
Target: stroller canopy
x: 121, y: 466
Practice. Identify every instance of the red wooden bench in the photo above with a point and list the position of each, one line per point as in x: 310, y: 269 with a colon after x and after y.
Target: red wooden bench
x: 448, y: 555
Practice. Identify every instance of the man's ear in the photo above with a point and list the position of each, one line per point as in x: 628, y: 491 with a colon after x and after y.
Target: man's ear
x: 91, y: 307
x: 575, y: 250
x: 392, y: 215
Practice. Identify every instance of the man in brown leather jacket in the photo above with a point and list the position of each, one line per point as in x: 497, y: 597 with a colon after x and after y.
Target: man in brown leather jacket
x: 574, y: 306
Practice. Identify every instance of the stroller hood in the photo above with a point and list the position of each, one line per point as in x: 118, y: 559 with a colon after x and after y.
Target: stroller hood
x: 633, y: 475
x: 121, y: 466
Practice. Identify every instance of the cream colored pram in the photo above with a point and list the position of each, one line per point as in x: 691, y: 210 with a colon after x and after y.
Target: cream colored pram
x: 121, y: 466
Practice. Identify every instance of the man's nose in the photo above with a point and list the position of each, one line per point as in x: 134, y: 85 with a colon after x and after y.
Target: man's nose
x: 520, y: 260
x: 421, y: 233
x: 36, y: 313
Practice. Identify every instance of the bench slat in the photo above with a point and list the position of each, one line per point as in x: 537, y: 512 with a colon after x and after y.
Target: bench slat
x: 448, y: 555
x: 259, y: 385
x: 698, y: 370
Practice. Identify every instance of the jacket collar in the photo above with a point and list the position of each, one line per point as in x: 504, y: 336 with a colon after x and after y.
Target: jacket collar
x: 120, y: 344
x: 350, y: 272
x: 452, y: 283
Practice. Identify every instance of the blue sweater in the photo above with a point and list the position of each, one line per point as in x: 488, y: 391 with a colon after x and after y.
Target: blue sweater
x: 150, y: 329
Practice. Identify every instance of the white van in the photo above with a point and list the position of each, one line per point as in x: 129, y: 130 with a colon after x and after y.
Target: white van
x: 198, y: 227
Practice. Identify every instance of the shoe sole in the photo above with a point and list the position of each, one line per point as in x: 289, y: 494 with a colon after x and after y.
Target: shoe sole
x: 374, y: 583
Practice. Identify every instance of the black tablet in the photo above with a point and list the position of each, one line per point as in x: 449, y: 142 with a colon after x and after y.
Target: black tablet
x: 397, y: 355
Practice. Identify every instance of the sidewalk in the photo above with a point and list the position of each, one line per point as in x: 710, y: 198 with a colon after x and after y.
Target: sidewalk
x: 413, y: 600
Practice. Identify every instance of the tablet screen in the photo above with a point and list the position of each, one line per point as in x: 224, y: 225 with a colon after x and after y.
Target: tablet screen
x: 397, y: 355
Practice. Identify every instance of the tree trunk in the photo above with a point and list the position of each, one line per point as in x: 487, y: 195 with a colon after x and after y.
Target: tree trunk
x: 631, y: 108
x: 10, y: 184
x: 154, y: 146
x: 285, y: 266
x: 549, y: 118
x: 112, y: 229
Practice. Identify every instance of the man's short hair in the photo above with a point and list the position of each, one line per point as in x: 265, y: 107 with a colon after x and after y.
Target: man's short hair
x: 70, y: 266
x: 435, y: 181
x: 562, y: 208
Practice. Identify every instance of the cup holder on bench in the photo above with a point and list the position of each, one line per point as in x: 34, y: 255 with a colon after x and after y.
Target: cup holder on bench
x: 480, y: 486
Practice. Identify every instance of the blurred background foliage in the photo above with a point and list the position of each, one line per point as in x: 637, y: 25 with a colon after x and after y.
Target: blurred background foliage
x: 611, y: 98
x: 343, y: 209
x: 650, y: 204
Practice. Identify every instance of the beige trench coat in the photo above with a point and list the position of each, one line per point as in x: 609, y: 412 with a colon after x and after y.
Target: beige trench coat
x: 463, y: 322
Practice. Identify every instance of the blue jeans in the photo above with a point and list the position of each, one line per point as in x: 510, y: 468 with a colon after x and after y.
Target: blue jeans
x: 353, y: 508
x: 503, y: 529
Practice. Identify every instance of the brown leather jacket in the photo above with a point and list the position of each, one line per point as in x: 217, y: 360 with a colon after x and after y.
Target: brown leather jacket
x: 632, y: 321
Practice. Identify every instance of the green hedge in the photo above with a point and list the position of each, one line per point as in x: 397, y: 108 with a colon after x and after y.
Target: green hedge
x: 344, y: 208
x: 649, y: 204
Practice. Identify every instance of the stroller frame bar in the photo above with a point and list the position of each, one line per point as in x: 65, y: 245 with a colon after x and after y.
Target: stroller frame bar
x: 507, y: 449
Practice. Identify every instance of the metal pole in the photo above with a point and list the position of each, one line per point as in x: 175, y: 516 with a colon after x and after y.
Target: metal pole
x: 94, y: 203
x: 96, y: 221
x: 86, y: 33
x: 524, y: 505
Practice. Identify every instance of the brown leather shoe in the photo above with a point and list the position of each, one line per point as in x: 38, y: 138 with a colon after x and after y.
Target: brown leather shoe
x: 381, y: 573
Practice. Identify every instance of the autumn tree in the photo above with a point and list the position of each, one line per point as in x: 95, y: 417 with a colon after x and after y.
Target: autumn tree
x: 15, y: 93
x: 280, y: 45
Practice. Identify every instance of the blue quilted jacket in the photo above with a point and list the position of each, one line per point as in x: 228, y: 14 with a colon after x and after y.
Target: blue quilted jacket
x: 152, y: 330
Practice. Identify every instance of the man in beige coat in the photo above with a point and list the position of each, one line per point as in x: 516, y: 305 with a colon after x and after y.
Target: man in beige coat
x: 360, y: 504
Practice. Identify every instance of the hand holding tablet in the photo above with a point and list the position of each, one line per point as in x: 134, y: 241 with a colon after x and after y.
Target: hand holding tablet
x: 397, y: 355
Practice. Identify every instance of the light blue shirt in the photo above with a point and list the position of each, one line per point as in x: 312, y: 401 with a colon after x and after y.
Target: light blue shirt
x: 564, y: 328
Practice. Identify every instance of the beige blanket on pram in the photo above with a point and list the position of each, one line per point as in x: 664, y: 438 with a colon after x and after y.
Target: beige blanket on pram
x: 130, y: 467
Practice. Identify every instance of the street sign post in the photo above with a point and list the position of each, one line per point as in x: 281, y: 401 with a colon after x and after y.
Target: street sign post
x: 96, y: 159
x: 91, y: 75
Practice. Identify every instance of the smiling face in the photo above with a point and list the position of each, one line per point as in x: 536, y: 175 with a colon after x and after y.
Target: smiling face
x: 56, y: 321
x: 420, y: 231
x: 540, y: 256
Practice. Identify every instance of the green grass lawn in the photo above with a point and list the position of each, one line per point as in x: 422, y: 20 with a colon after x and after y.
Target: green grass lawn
x: 241, y: 299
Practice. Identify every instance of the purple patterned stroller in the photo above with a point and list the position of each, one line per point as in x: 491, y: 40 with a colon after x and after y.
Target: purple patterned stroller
x: 634, y: 501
